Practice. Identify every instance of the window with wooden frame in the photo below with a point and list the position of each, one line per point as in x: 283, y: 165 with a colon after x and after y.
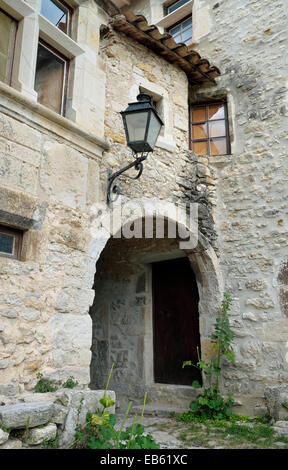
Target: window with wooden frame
x: 8, y: 28
x: 10, y: 242
x: 58, y: 13
x: 209, y: 129
x: 174, y: 6
x: 182, y: 31
x: 51, y: 78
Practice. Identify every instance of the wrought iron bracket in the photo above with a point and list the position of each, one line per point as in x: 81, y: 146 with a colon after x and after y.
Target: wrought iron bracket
x: 114, y: 189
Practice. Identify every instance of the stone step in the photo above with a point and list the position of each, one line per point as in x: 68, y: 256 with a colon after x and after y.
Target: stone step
x: 162, y: 397
x: 162, y: 411
x: 173, y: 396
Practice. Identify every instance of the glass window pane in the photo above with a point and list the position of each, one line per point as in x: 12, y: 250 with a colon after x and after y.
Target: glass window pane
x: 175, y: 30
x: 218, y: 147
x: 7, y: 35
x: 187, y: 35
x: 199, y: 131
x: 216, y: 112
x: 217, y: 129
x: 136, y: 126
x: 49, y: 79
x: 56, y: 13
x: 200, y: 148
x: 199, y: 114
x: 6, y: 243
x: 187, y: 23
x: 177, y: 38
x: 177, y: 5
x: 154, y: 129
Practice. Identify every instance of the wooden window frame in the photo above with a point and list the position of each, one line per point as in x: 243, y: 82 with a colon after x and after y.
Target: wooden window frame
x: 70, y: 15
x: 181, y: 32
x: 12, y: 48
x: 66, y: 73
x: 226, y: 119
x: 17, y: 243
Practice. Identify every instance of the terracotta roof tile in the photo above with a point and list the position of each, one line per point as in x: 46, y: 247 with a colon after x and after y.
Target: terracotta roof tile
x: 198, y: 69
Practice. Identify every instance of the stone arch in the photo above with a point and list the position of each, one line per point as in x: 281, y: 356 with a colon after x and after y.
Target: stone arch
x: 204, y: 263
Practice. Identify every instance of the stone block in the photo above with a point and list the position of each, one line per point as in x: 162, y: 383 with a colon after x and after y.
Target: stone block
x: 9, y: 389
x: 281, y: 428
x: 59, y: 415
x: 4, y: 436
x: 275, y: 396
x: 70, y: 332
x: 19, y: 132
x: 80, y: 403
x: 64, y: 175
x: 12, y: 444
x: 26, y: 414
x: 37, y: 435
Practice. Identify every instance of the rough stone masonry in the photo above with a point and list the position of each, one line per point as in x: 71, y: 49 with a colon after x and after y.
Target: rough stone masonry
x: 53, y: 171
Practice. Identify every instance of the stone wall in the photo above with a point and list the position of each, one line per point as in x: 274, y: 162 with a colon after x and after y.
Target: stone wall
x: 52, y: 174
x: 51, y: 416
x: 247, y: 42
x: 48, y: 182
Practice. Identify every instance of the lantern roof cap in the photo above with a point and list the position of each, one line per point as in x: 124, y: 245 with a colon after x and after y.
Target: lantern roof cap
x: 143, y: 103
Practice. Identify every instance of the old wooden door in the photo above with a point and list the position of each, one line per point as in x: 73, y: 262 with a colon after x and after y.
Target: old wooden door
x: 175, y: 321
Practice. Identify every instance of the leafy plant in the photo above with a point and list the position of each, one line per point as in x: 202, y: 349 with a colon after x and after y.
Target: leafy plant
x: 266, y: 419
x: 52, y: 443
x: 3, y: 426
x: 99, y: 430
x: 44, y: 385
x: 210, y: 404
x: 70, y: 383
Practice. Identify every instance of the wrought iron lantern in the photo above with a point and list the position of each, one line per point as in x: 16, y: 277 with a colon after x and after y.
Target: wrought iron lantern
x: 142, y: 126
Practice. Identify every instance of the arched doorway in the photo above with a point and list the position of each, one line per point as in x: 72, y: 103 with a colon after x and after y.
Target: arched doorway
x: 122, y: 311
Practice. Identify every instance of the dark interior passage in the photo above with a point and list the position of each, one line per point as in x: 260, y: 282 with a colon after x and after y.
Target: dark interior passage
x: 176, y: 322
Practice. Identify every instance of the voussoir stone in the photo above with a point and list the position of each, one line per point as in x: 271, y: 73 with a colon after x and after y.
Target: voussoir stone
x: 26, y: 414
x: 37, y: 435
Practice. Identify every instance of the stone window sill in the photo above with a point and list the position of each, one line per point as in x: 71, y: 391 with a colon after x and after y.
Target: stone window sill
x: 50, y: 115
x: 176, y: 16
x: 57, y: 39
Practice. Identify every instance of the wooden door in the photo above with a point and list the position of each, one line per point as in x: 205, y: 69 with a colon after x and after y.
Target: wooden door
x: 175, y: 322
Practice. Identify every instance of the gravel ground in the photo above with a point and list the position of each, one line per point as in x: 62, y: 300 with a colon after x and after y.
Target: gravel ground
x: 173, y: 434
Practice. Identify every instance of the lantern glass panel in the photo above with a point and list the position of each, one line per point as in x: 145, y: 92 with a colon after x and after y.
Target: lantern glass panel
x: 136, y: 126
x: 154, y: 129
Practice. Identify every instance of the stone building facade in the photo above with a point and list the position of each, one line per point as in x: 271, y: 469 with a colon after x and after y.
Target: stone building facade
x: 77, y: 299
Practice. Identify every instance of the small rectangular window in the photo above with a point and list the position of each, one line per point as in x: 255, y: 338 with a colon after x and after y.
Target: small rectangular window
x: 51, y: 78
x: 182, y: 32
x: 10, y: 242
x: 58, y: 13
x: 209, y: 130
x: 7, y: 42
x: 176, y: 5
